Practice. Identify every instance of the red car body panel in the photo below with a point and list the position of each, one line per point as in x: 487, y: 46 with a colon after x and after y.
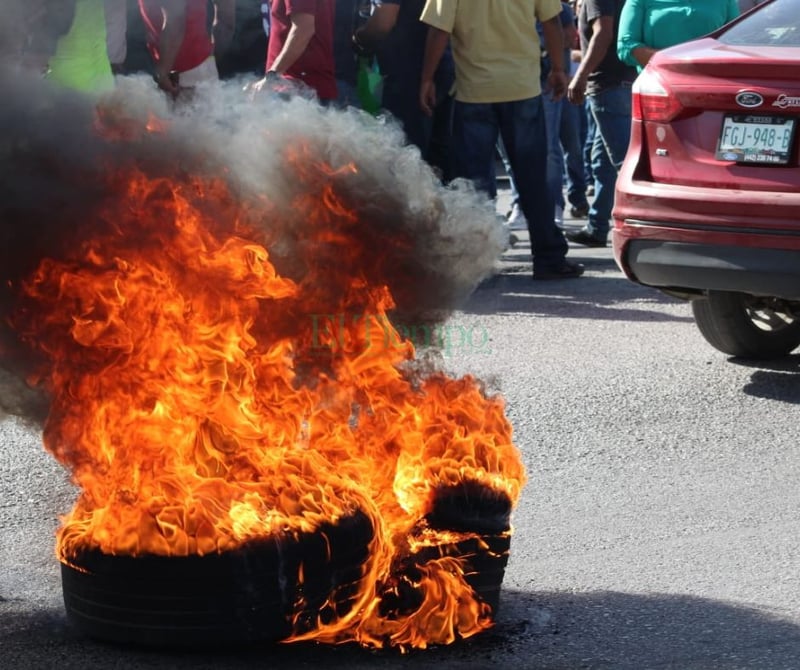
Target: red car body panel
x: 682, y: 216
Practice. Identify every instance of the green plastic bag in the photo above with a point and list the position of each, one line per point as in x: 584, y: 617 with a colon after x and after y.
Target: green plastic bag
x: 369, y: 85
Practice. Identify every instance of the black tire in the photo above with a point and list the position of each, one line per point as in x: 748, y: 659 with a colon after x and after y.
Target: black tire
x: 246, y: 595
x: 746, y: 326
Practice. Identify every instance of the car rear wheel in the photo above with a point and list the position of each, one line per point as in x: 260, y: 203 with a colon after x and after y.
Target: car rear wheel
x: 747, y: 326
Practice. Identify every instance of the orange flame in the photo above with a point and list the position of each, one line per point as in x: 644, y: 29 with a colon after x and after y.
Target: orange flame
x: 202, y: 400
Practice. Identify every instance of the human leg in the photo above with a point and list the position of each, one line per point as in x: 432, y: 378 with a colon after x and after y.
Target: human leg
x: 555, y: 155
x: 522, y: 127
x: 588, y: 141
x: 573, y: 157
x: 516, y: 219
x: 475, y: 133
x: 612, y: 114
x: 611, y: 110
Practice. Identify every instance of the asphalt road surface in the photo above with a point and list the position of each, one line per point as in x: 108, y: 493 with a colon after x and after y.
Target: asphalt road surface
x: 658, y: 529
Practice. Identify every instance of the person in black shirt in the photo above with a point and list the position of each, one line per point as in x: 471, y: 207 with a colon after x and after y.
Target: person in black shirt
x: 395, y: 33
x: 606, y: 82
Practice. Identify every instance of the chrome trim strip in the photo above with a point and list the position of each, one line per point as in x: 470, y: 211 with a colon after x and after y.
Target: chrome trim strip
x: 712, y: 228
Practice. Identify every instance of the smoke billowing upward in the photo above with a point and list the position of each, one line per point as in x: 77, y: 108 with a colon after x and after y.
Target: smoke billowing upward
x: 66, y: 160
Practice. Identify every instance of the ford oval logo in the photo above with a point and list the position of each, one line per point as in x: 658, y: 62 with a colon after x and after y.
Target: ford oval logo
x: 749, y: 99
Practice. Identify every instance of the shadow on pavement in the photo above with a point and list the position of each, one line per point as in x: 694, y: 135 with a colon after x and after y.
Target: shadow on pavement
x: 773, y: 380
x: 607, y: 297
x: 547, y: 631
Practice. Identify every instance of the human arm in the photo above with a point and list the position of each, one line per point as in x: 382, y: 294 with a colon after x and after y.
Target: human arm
x: 435, y: 45
x: 554, y: 43
x: 631, y: 47
x: 173, y: 13
x: 44, y: 22
x: 224, y: 25
x: 377, y: 26
x: 599, y: 44
x: 300, y: 34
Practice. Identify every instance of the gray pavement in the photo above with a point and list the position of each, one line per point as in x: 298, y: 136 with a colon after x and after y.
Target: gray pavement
x: 658, y: 529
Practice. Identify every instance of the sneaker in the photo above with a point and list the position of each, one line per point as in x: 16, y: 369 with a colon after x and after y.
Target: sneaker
x: 579, y: 211
x: 516, y: 219
x: 558, y: 217
x: 585, y: 238
x: 567, y: 270
x: 590, y: 190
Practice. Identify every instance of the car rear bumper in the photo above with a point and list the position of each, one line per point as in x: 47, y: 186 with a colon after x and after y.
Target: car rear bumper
x: 690, y: 239
x: 683, y: 266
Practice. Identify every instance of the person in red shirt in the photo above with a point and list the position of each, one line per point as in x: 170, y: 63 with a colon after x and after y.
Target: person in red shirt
x: 300, y: 46
x: 179, y: 40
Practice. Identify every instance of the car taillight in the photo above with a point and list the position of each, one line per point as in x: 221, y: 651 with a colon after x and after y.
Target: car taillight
x: 652, y: 100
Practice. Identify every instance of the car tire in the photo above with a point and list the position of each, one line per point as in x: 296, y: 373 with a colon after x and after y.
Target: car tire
x: 746, y: 326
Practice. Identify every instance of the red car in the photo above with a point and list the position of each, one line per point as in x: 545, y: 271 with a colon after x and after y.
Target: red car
x: 708, y: 198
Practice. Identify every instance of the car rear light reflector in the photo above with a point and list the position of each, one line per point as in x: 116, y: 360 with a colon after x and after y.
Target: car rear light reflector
x: 652, y: 101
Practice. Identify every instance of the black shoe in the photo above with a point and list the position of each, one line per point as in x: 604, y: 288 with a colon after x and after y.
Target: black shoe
x: 579, y: 211
x: 567, y: 270
x: 585, y: 238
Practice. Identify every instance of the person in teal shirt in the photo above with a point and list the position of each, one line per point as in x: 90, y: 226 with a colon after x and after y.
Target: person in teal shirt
x: 646, y: 26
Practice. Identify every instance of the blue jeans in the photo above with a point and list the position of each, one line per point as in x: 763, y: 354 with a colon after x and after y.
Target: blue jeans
x: 555, y: 154
x: 521, y: 125
x: 572, y: 135
x: 347, y: 94
x: 611, y: 110
x: 588, y: 142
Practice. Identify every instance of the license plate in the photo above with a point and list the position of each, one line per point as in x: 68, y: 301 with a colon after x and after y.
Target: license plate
x: 756, y: 138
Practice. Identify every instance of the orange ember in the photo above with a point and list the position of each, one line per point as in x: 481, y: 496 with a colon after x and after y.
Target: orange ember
x: 203, y: 400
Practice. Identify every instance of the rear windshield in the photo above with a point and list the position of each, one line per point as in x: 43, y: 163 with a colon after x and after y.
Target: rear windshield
x: 774, y: 24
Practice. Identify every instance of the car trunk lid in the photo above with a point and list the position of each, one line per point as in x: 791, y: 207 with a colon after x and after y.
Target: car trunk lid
x: 722, y: 115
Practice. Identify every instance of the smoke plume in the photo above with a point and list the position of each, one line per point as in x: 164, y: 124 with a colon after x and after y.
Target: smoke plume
x: 63, y: 155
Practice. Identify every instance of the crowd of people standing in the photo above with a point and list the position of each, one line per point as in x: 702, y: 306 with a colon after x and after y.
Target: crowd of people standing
x: 545, y: 84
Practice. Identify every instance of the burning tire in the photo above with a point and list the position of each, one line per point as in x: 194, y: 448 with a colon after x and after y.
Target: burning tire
x: 282, y: 586
x: 247, y: 595
x: 473, y: 508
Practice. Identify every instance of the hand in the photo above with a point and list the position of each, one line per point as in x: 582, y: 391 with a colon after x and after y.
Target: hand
x: 643, y: 54
x: 557, y: 84
x: 270, y: 82
x: 166, y: 81
x: 427, y: 96
x: 358, y: 47
x: 576, y: 91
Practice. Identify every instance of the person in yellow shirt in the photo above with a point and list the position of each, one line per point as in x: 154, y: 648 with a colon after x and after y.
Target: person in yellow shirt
x: 497, y: 54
